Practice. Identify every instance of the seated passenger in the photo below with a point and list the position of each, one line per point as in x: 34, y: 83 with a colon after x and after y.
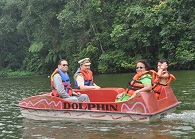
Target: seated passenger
x: 141, y: 82
x: 84, y: 76
x: 163, y: 77
x: 61, y: 86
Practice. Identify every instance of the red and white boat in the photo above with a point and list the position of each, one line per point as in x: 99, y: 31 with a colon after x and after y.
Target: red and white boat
x: 142, y: 108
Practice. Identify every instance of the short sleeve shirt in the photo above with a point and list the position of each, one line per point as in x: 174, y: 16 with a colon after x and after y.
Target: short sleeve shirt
x: 145, y: 79
x: 80, y: 79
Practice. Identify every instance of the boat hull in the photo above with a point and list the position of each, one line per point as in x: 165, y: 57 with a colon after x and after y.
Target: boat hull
x: 91, y: 115
x: 144, y: 108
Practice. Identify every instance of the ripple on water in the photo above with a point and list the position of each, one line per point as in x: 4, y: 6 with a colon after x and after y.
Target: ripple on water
x: 186, y: 116
x: 182, y: 124
x: 13, y: 125
x: 187, y: 128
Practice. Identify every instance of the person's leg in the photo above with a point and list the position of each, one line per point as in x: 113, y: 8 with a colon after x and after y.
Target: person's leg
x: 83, y: 98
x: 72, y: 98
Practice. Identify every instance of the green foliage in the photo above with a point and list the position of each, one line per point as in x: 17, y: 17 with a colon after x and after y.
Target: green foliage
x: 11, y: 73
x: 35, y: 34
x: 111, y: 62
x: 184, y: 56
x: 12, y: 43
x: 89, y: 52
x: 36, y: 47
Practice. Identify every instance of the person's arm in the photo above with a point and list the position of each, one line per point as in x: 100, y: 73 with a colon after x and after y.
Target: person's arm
x: 146, y: 88
x: 162, y: 72
x: 165, y: 75
x: 80, y: 82
x: 95, y: 85
x: 59, y: 86
x: 147, y: 82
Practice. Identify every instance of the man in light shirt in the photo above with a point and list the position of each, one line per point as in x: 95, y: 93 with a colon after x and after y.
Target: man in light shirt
x: 62, y: 85
x: 84, y: 76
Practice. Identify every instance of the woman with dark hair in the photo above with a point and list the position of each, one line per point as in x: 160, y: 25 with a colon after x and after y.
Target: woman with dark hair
x: 141, y: 82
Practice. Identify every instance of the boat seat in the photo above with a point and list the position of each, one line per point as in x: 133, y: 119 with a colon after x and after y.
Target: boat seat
x: 102, y: 94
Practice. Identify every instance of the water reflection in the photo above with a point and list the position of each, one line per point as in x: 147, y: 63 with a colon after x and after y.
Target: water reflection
x: 93, y: 130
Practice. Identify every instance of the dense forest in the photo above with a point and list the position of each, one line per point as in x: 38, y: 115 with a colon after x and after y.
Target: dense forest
x: 35, y: 34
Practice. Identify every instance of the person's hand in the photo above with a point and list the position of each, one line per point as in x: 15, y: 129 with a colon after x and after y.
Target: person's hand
x: 164, y: 65
x: 77, y: 93
x: 97, y: 87
x: 119, y: 95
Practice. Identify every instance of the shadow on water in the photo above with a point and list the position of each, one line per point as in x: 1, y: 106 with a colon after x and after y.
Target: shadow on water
x: 178, y: 125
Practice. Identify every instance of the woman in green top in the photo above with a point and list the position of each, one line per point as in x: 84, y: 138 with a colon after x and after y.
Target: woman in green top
x: 141, y: 82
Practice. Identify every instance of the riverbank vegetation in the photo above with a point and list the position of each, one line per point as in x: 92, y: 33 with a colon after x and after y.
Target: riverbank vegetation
x: 11, y: 73
x: 35, y: 34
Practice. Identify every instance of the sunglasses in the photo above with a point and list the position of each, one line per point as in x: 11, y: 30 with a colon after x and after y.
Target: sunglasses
x: 140, y: 67
x: 65, y: 65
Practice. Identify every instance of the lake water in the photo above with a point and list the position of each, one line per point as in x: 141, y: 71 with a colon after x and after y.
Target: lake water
x: 178, y: 125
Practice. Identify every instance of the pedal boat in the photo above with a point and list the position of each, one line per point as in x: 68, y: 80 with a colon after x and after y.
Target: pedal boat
x: 144, y: 108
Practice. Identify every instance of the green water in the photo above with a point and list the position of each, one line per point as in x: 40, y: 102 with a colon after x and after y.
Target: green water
x: 178, y: 125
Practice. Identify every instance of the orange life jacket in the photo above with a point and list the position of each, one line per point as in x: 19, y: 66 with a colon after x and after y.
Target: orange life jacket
x: 157, y: 86
x: 88, y: 77
x: 65, y: 82
x: 134, y: 84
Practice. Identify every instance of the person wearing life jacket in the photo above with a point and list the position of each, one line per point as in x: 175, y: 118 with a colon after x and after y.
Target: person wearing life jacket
x: 83, y: 77
x: 141, y: 82
x: 163, y: 77
x: 61, y: 86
